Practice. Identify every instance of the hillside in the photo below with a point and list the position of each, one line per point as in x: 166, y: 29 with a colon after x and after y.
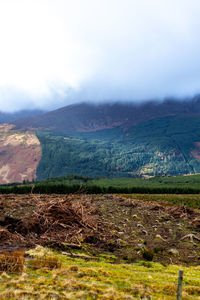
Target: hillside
x: 20, y: 153
x: 168, y: 145
x: 112, y: 140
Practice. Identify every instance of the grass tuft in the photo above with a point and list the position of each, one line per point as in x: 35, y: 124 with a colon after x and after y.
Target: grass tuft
x: 49, y: 262
x: 12, y: 261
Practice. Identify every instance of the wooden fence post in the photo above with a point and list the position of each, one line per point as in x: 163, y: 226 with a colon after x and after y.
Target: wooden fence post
x: 180, y: 283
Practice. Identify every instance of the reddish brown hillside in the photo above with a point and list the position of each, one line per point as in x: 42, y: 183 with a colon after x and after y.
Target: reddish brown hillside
x: 20, y: 153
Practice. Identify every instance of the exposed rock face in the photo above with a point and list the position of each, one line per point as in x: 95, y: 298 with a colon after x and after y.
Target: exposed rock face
x: 20, y: 153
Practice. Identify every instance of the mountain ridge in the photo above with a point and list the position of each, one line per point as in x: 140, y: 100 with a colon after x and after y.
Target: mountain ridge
x: 11, y: 116
x: 90, y: 117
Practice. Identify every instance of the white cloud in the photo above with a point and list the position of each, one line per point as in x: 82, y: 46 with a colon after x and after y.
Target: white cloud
x: 54, y: 52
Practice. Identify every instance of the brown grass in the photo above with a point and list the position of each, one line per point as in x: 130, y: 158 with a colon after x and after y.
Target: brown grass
x: 12, y: 261
x: 49, y: 262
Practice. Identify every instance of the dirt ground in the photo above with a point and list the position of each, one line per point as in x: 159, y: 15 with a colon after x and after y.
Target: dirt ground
x: 130, y: 229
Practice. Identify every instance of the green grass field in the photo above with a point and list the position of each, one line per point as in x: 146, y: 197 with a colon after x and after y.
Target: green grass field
x: 188, y: 181
x: 76, y: 278
x: 191, y: 201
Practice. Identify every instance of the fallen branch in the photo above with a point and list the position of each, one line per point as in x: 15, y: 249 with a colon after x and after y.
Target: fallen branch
x: 190, y: 236
x: 80, y: 256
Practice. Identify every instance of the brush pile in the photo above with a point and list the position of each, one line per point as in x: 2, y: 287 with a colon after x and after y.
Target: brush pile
x: 63, y: 220
x: 69, y: 220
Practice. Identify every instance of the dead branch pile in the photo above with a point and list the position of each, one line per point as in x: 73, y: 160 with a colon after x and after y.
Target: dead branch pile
x: 7, y: 238
x: 60, y: 220
x: 64, y: 219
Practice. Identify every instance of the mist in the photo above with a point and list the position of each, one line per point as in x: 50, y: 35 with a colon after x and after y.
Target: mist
x: 58, y: 52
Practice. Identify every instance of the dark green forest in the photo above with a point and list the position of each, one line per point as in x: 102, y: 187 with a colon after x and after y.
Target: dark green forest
x: 82, y: 184
x: 163, y: 146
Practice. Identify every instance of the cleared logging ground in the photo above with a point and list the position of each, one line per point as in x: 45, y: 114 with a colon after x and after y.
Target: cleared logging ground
x: 132, y: 227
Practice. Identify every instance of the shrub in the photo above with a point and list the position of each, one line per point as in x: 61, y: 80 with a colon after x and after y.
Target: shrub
x: 147, y: 254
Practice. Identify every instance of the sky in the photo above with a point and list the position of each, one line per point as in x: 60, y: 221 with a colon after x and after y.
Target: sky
x: 57, y: 52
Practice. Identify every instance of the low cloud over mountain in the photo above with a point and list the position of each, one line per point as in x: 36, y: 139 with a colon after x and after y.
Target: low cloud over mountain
x: 54, y: 53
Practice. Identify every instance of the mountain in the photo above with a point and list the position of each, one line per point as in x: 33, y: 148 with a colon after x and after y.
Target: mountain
x: 90, y: 117
x: 113, y: 140
x: 6, y: 117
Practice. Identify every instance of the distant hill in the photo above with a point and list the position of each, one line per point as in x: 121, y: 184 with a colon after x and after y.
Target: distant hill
x: 89, y: 117
x: 7, y: 117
